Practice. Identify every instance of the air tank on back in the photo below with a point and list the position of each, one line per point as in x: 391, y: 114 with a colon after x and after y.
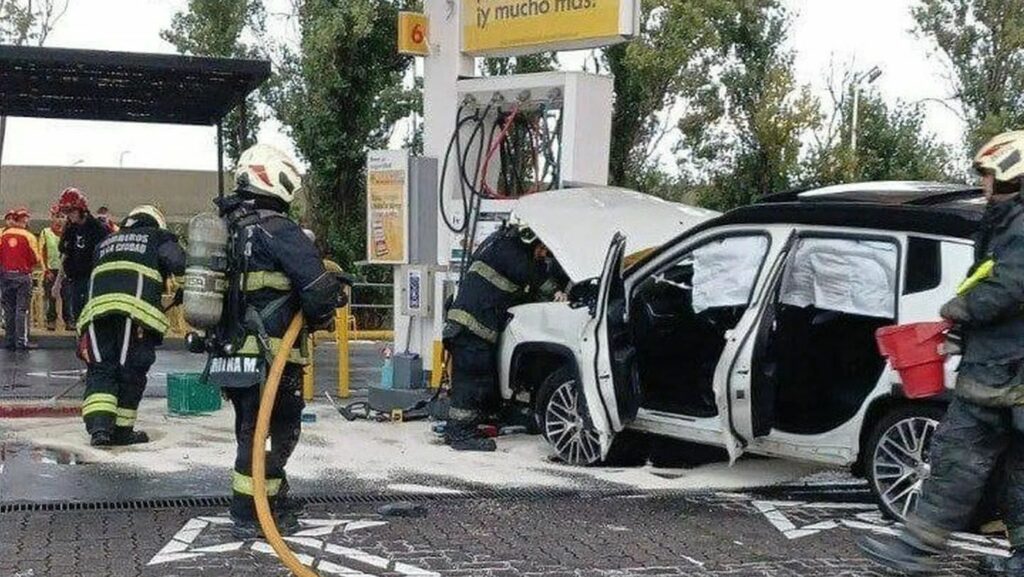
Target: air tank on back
x: 206, y: 281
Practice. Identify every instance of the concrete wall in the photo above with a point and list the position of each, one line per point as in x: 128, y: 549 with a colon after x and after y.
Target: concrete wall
x: 178, y: 193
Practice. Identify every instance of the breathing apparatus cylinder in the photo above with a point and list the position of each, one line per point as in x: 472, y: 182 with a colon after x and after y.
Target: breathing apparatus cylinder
x: 206, y: 282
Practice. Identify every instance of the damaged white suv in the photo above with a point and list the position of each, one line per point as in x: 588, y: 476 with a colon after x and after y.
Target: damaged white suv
x: 754, y: 331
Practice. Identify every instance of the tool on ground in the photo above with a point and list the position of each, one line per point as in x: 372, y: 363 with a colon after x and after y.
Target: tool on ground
x: 53, y: 400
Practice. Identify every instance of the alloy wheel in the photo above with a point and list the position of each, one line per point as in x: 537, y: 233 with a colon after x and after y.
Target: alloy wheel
x: 901, y: 465
x: 566, y: 430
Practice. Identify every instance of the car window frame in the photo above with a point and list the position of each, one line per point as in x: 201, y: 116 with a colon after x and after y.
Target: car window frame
x: 671, y: 256
x: 810, y: 231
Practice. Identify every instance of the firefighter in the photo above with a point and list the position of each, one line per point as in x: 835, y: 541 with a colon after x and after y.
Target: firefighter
x: 19, y: 255
x: 123, y: 322
x: 983, y: 430
x: 277, y: 272
x: 78, y: 246
x: 510, y: 267
x: 49, y: 243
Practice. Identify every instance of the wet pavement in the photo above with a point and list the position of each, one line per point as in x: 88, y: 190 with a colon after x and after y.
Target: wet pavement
x: 53, y: 369
x: 784, y: 533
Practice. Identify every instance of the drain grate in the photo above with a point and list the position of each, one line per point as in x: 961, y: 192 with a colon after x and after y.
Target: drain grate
x: 835, y: 493
x: 335, y: 499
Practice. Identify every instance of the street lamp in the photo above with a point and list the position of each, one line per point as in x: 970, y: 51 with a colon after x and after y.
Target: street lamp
x: 77, y: 162
x: 120, y: 159
x: 868, y: 77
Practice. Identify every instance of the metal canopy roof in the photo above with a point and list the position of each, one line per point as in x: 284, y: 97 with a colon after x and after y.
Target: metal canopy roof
x: 123, y: 86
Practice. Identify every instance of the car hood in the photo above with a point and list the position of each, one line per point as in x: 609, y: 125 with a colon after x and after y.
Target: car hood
x: 578, y: 224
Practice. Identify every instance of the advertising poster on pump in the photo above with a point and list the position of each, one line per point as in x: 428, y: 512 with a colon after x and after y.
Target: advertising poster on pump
x: 387, y: 206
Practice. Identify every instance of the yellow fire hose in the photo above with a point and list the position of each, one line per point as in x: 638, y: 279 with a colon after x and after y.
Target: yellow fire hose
x: 259, y: 455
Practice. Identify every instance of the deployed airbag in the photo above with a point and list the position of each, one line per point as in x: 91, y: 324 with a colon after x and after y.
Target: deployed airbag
x: 844, y: 275
x: 724, y: 271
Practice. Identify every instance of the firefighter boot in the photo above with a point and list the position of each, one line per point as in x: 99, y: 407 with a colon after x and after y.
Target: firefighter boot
x: 905, y: 553
x: 1003, y: 567
x: 128, y: 436
x: 465, y: 437
x: 101, y: 439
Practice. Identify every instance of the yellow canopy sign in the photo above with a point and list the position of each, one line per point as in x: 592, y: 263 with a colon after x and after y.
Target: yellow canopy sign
x: 513, y: 27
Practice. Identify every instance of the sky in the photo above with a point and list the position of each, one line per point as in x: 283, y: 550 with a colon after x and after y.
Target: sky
x: 865, y: 32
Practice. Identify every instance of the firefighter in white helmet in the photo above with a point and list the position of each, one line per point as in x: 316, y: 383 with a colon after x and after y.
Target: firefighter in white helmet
x: 276, y: 272
x: 123, y: 321
x: 983, y: 429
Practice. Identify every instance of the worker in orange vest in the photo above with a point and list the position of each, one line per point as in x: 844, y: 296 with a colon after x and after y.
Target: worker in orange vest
x: 19, y: 255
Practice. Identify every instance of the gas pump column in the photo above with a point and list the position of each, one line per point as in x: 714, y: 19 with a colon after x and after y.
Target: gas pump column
x: 401, y: 230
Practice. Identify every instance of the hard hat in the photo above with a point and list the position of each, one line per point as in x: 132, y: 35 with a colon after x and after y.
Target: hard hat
x: 72, y: 198
x: 139, y: 213
x: 525, y: 233
x: 1002, y: 156
x: 266, y: 171
x: 21, y: 212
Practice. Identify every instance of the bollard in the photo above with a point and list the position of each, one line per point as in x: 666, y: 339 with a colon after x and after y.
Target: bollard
x: 437, y: 365
x: 341, y: 338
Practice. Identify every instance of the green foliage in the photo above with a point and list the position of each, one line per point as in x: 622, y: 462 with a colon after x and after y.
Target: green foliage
x: 215, y: 28
x: 892, y: 144
x: 982, y: 42
x: 340, y: 96
x: 744, y: 129
x: 668, y: 59
x: 29, y: 21
x: 527, y: 64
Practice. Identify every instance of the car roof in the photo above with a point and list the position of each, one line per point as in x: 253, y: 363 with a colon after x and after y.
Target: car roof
x: 912, y: 193
x: 952, y: 221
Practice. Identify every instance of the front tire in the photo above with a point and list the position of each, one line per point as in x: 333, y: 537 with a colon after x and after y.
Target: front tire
x: 898, y: 453
x: 559, y: 412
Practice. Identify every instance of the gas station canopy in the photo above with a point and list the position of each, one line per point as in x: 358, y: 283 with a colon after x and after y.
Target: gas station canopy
x: 123, y: 86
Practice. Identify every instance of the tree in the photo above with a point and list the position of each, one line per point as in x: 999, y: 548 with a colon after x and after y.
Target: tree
x: 745, y: 129
x: 544, y: 62
x: 215, y: 28
x: 892, y: 144
x: 29, y: 21
x: 667, y: 61
x: 340, y: 96
x: 892, y: 140
x: 982, y: 45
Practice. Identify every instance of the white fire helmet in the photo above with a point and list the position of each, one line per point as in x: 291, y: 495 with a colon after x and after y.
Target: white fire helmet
x: 1002, y: 156
x: 263, y: 170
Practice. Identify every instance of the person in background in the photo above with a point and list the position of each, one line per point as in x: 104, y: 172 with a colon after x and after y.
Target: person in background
x: 78, y: 247
x: 106, y: 219
x: 19, y: 256
x: 49, y: 247
x: 123, y: 322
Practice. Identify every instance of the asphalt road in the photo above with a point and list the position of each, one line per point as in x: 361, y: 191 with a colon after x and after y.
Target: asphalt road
x: 782, y: 534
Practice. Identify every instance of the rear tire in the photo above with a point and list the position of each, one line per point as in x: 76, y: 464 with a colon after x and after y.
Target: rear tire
x: 559, y: 412
x: 897, y: 455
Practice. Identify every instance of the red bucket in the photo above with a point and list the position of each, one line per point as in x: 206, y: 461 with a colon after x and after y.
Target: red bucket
x: 913, y: 350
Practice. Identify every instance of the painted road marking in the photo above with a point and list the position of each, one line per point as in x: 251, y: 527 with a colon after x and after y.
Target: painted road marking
x: 860, y: 517
x: 182, y: 547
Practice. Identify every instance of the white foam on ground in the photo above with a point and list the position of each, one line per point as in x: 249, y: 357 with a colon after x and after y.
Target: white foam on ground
x: 382, y: 453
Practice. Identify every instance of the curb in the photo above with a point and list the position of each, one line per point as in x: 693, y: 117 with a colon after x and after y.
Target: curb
x: 20, y: 411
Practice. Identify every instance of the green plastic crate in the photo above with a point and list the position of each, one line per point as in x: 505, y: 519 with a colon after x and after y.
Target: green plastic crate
x: 187, y: 394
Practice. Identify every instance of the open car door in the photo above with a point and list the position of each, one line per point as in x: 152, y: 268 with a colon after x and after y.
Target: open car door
x: 611, y: 386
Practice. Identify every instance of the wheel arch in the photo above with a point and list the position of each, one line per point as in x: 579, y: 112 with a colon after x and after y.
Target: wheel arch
x: 532, y: 363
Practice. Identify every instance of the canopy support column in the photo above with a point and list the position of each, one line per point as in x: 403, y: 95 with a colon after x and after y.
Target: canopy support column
x: 220, y: 159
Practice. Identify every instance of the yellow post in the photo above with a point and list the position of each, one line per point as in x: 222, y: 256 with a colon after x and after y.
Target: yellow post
x: 308, y: 372
x: 437, y: 365
x: 341, y: 336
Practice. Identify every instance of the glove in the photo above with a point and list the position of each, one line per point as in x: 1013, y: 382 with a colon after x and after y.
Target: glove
x: 955, y: 311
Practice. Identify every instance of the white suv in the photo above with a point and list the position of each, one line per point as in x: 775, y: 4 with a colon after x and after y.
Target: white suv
x: 754, y: 332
